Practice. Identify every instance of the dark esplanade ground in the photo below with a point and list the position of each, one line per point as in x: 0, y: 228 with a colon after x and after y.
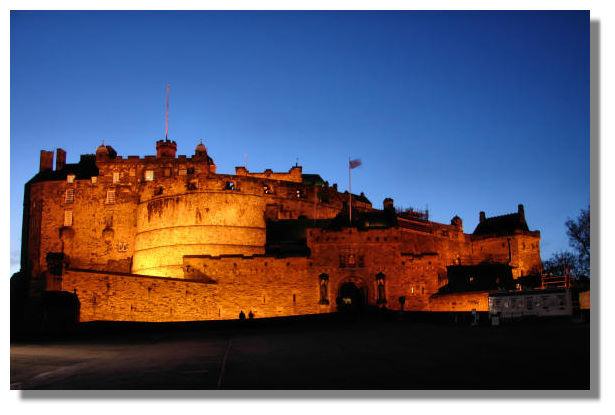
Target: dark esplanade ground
x: 333, y: 352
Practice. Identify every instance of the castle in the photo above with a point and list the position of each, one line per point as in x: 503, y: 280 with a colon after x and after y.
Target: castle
x: 167, y: 238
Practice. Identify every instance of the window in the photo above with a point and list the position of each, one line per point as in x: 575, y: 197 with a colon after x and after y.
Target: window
x: 94, y: 179
x: 190, y: 170
x: 182, y: 172
x: 267, y: 189
x: 324, y: 289
x: 116, y: 177
x: 192, y: 185
x: 110, y: 196
x: 70, y: 178
x: 229, y: 186
x: 300, y: 194
x: 149, y: 175
x: 68, y: 218
x: 166, y: 172
x: 70, y: 196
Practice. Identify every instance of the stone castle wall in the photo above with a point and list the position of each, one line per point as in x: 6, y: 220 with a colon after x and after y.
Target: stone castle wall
x: 460, y: 302
x: 123, y: 222
x: 110, y: 296
x: 167, y: 239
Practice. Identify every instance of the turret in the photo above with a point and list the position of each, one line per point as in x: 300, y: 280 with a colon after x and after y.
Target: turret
x: 200, y: 150
x: 457, y: 222
x: 166, y: 148
x: 102, y: 153
x: 388, y: 204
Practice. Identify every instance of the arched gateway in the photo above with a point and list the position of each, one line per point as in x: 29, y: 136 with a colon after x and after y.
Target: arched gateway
x: 351, y: 297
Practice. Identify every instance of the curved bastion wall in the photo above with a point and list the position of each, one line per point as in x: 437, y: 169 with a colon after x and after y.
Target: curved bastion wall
x: 210, y: 219
x: 205, y: 222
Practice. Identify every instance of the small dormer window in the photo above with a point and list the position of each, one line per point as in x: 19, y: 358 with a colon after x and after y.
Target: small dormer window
x: 70, y: 196
x: 116, y: 177
x: 70, y: 178
x: 68, y: 218
x: 230, y: 186
x: 149, y: 175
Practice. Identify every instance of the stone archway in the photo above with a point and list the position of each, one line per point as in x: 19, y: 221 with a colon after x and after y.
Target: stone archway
x: 351, y: 297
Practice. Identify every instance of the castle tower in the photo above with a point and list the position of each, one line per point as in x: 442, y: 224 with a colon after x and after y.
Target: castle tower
x: 166, y: 148
x: 102, y: 153
x: 200, y: 151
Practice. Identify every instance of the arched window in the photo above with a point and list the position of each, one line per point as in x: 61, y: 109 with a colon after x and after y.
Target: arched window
x: 380, y: 289
x: 324, y: 289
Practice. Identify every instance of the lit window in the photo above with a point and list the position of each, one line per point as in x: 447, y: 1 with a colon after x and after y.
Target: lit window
x: 94, y: 179
x: 70, y: 196
x: 149, y: 175
x: 116, y: 177
x: 110, y: 196
x: 229, y: 186
x: 68, y: 218
x: 70, y: 178
x: 182, y: 172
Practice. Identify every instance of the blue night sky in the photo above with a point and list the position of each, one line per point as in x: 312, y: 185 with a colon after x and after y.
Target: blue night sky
x: 455, y: 111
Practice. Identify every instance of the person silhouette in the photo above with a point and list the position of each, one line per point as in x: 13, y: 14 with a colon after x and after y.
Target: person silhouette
x: 242, y: 315
x: 251, y: 315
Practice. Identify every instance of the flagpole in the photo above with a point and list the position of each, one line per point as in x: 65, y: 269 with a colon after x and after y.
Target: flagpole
x: 349, y: 194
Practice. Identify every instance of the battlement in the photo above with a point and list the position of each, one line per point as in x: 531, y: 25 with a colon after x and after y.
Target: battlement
x: 293, y: 175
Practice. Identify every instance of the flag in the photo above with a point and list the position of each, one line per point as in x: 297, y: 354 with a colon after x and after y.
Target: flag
x: 354, y: 163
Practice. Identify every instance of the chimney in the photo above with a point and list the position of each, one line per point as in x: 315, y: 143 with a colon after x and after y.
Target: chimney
x: 46, y: 163
x: 521, y: 212
x: 481, y: 217
x: 60, y: 158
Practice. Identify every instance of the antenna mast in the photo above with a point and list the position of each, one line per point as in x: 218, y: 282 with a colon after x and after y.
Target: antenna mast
x: 166, y: 112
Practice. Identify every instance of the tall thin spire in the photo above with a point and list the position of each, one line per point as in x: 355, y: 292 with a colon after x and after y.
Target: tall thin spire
x: 166, y: 112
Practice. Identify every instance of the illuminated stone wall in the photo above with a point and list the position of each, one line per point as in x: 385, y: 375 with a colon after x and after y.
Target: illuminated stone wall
x: 460, y: 302
x: 123, y: 222
x: 111, y: 296
x: 142, y: 218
